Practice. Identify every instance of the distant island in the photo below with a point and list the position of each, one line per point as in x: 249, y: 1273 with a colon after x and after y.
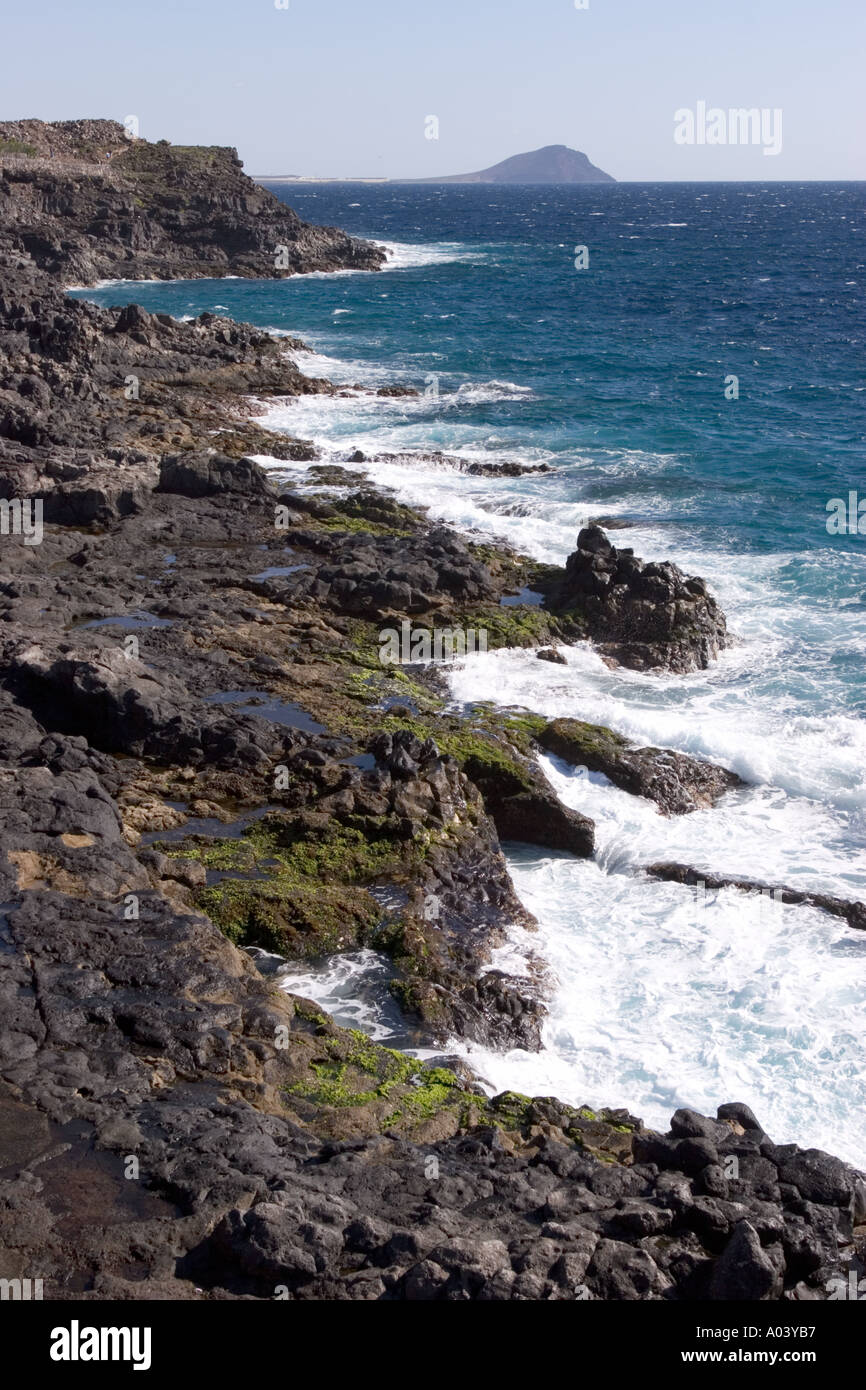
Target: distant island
x: 552, y: 164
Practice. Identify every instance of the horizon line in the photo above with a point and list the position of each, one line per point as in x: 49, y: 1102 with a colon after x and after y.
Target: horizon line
x: 495, y: 183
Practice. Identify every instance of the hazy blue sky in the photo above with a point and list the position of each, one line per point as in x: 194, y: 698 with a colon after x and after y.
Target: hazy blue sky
x: 343, y: 87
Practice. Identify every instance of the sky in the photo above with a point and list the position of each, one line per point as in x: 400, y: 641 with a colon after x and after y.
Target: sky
x: 347, y: 88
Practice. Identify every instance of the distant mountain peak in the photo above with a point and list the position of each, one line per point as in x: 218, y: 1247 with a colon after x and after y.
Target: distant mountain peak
x: 550, y: 164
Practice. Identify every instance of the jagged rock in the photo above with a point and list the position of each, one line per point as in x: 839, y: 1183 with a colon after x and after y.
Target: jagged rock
x: 78, y: 491
x: 618, y: 1271
x: 739, y: 1114
x: 121, y: 706
x: 744, y: 1271
x: 161, y: 212
x: 642, y: 615
x: 524, y: 806
x: 538, y: 818
x: 247, y: 776
x: 385, y: 576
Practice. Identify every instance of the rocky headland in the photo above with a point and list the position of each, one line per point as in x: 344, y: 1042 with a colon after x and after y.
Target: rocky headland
x: 205, y: 768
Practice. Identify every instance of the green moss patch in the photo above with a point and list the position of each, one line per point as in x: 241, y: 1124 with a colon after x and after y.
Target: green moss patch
x: 588, y: 745
x: 295, y: 886
x: 511, y: 625
x: 354, y: 1071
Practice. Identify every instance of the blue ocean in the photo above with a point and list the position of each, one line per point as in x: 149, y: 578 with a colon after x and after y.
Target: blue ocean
x: 689, y: 358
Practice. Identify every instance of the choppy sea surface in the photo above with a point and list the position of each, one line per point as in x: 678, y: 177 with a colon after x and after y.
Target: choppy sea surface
x: 619, y: 375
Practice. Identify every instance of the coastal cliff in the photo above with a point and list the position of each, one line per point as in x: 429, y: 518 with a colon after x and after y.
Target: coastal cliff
x: 205, y: 768
x: 87, y: 203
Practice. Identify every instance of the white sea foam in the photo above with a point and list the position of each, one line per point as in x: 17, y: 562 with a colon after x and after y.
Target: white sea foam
x: 405, y: 255
x: 708, y: 713
x: 113, y: 284
x: 402, y: 255
x: 349, y: 986
x: 664, y: 1000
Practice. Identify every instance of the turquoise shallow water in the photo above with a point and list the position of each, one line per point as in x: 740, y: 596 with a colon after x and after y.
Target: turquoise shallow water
x: 616, y: 375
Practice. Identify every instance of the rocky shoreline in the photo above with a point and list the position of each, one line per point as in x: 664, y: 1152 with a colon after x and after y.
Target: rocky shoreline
x: 203, y: 757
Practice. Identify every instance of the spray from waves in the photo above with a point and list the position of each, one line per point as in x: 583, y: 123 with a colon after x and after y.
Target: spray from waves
x: 794, y: 624
x: 756, y: 831
x: 679, y: 1010
x: 661, y: 997
x: 404, y: 255
x: 494, y: 509
x: 320, y: 364
x: 664, y: 1001
x: 400, y: 256
x: 122, y: 284
x: 410, y: 428
x: 353, y: 988
x: 748, y: 712
x: 776, y: 708
x: 721, y: 714
x: 435, y: 392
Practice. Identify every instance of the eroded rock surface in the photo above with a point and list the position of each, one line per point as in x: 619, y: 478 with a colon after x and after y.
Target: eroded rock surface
x: 92, y: 204
x: 642, y: 615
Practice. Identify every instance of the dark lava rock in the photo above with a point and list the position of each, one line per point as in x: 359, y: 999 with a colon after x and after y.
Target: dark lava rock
x: 744, y: 1270
x: 157, y: 807
x: 523, y: 804
x: 644, y: 615
x: 539, y: 818
x: 204, y: 475
x: 154, y: 211
x: 853, y: 912
x: 392, y: 576
x: 676, y: 782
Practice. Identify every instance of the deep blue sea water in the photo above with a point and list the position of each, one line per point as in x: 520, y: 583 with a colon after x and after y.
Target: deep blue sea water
x: 616, y: 375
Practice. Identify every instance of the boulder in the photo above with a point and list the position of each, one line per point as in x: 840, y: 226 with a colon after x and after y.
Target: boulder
x: 207, y: 475
x: 744, y: 1271
x: 646, y: 616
